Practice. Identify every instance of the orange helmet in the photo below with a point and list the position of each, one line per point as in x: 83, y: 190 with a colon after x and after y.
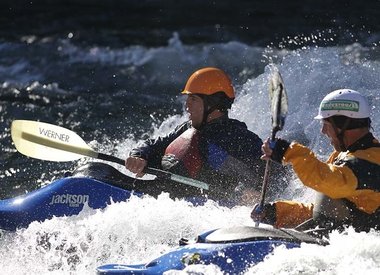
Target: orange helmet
x: 208, y: 81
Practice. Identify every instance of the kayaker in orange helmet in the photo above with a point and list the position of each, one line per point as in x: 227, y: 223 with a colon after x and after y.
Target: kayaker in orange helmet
x: 348, y: 183
x: 211, y: 146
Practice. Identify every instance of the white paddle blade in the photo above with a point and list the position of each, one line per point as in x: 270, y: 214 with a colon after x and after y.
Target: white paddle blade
x: 48, y: 142
x: 279, y: 100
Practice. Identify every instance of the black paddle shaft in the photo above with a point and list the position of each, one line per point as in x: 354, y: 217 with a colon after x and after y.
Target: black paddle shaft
x: 278, y: 121
x: 157, y: 172
x: 111, y: 158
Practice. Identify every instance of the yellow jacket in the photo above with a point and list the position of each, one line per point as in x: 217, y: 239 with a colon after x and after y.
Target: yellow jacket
x: 353, y: 175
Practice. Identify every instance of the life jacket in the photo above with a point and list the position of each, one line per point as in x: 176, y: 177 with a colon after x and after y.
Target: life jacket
x: 337, y: 213
x: 343, y: 212
x: 183, y: 156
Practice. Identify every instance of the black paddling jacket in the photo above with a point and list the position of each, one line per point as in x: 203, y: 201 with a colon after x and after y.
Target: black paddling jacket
x: 350, y: 180
x: 224, y: 154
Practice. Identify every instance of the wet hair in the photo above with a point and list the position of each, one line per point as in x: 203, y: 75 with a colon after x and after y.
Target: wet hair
x: 350, y: 123
x: 219, y: 101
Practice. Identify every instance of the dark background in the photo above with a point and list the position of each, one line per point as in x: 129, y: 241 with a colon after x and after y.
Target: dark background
x: 151, y: 22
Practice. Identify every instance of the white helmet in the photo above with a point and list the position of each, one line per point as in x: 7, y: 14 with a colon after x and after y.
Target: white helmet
x: 344, y: 102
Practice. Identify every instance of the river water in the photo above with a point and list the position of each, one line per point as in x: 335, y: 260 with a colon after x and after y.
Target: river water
x: 114, y: 96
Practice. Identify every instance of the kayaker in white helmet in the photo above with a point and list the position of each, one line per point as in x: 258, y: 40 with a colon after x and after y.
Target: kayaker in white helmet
x: 348, y: 182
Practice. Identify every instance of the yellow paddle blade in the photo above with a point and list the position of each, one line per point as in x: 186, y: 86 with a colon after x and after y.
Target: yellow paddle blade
x: 48, y: 142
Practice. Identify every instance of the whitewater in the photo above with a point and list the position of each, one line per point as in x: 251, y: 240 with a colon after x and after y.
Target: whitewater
x: 141, y: 229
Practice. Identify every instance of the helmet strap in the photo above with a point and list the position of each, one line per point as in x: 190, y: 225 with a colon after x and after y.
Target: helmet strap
x: 340, y: 134
x: 207, y: 110
x: 210, y: 104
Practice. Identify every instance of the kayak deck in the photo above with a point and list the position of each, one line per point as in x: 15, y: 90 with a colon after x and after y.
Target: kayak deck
x: 232, y: 249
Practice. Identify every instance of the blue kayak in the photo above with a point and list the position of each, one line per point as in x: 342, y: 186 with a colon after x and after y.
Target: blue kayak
x: 95, y: 185
x: 233, y: 250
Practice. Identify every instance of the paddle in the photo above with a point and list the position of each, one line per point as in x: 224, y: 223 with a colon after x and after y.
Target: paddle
x: 279, y: 110
x: 50, y: 142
